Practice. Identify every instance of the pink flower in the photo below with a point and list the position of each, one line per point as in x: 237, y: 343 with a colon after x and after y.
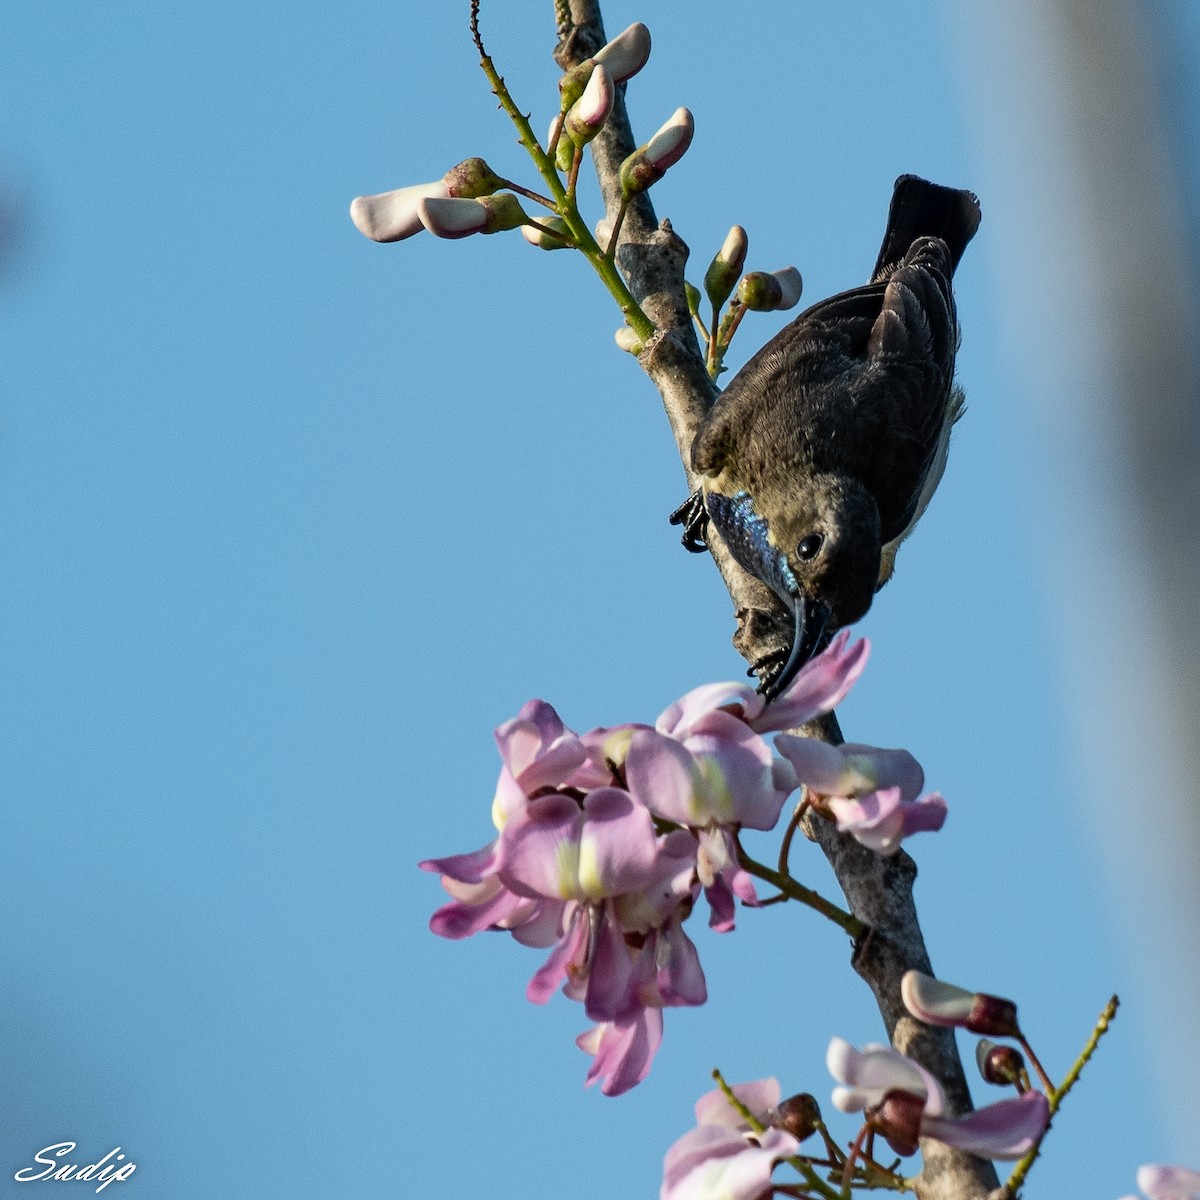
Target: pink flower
x: 723, y: 1158
x: 819, y: 687
x: 903, y: 1101
x: 870, y: 793
x: 538, y: 753
x: 1168, y: 1183
x: 480, y: 901
x: 622, y: 1050
x: 588, y: 857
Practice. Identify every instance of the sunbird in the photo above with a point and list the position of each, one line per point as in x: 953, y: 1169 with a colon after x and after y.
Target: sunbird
x: 822, y: 453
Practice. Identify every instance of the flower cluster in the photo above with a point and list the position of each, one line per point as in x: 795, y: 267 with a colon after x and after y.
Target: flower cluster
x: 727, y: 1157
x: 472, y: 198
x: 606, y: 841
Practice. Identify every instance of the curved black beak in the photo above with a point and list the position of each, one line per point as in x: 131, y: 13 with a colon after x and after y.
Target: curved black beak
x: 811, y: 617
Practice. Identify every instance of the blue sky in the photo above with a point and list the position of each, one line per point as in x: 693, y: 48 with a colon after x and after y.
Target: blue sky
x: 289, y: 522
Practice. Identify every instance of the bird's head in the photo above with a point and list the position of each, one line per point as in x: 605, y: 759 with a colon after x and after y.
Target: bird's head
x: 817, y: 548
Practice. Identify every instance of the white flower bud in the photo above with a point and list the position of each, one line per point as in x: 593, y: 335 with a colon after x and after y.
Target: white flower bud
x: 588, y: 114
x: 670, y: 143
x: 392, y: 216
x: 627, y: 53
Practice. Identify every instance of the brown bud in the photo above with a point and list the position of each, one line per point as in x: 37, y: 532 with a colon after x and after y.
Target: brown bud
x: 994, y: 1016
x: 998, y: 1064
x: 898, y: 1120
x: 798, y: 1115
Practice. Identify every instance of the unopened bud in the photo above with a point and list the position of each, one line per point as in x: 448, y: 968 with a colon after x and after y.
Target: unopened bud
x: 772, y: 291
x: 459, y: 218
x: 587, y: 115
x: 627, y: 53
x: 564, y: 152
x: 898, y: 1120
x: 627, y: 340
x: 536, y: 236
x: 392, y: 216
x: 571, y: 85
x: 1003, y: 1065
x: 648, y: 163
x: 722, y: 275
x: 937, y: 1003
x: 472, y: 178
x: 798, y: 1115
x: 692, y: 292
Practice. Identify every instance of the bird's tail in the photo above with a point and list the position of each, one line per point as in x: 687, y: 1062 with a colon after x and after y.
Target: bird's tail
x: 923, y: 209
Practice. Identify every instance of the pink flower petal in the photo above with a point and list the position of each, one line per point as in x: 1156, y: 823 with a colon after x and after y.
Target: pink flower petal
x: 618, y: 849
x: 568, y: 957
x: 609, y: 994
x: 538, y: 851
x: 758, y: 1095
x: 659, y: 772
x: 679, y: 978
x: 713, y: 1162
x: 1006, y: 1130
x: 623, y: 1050
x: 869, y: 1074
x: 820, y: 687
x: 466, y: 868
x: 459, y: 920
x: 678, y: 719
x: 935, y: 1002
x: 1169, y: 1183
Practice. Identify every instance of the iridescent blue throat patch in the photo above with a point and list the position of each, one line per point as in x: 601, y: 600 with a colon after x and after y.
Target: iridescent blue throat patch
x: 745, y: 533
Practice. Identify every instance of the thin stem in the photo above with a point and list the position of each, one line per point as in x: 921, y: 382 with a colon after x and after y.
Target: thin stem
x: 1037, y: 1066
x: 535, y: 196
x: 848, y: 1169
x: 563, y: 203
x: 728, y: 327
x: 797, y: 891
x: 573, y: 177
x: 618, y: 221
x: 785, y: 847
x: 554, y: 233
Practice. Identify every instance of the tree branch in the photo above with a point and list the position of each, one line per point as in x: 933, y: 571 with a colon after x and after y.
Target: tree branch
x: 878, y: 890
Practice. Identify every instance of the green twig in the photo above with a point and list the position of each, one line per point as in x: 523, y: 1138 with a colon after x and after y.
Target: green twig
x: 564, y: 203
x: 1015, y: 1181
x: 797, y: 891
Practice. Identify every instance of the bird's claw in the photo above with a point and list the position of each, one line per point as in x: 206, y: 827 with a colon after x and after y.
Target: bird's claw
x: 693, y: 516
x: 768, y: 669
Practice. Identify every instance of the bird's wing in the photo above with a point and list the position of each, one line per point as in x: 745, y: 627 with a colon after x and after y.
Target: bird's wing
x: 821, y: 341
x: 911, y: 364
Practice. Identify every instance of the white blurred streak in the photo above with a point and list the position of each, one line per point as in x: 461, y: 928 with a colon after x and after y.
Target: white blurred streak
x: 1087, y: 222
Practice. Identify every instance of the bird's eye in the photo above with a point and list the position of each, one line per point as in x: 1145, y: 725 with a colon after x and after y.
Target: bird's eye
x: 809, y: 546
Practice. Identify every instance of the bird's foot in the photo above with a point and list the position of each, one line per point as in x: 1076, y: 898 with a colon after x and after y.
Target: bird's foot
x: 764, y: 638
x: 693, y: 516
x: 768, y: 668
